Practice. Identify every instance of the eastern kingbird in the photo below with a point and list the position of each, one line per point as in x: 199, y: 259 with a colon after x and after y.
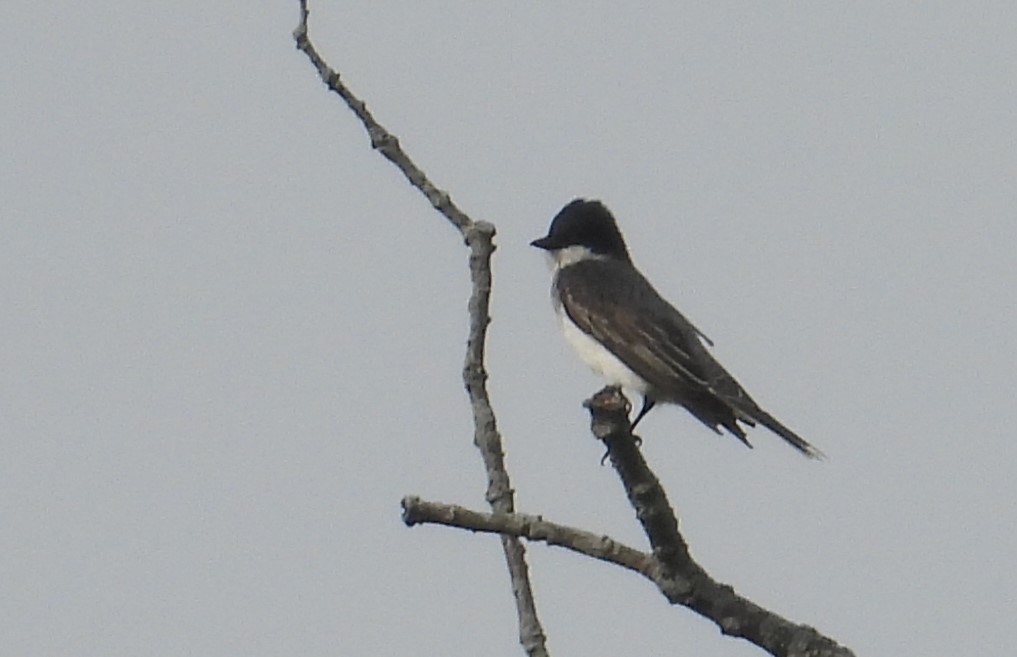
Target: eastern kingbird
x: 626, y: 332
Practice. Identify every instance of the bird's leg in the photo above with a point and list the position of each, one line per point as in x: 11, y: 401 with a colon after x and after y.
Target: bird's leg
x: 648, y: 403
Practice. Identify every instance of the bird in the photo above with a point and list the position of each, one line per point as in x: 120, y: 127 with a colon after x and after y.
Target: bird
x: 624, y: 330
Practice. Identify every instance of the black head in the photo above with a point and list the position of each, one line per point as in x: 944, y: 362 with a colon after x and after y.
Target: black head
x: 586, y: 224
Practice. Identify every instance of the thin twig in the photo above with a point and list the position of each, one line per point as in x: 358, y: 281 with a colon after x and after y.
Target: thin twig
x: 479, y: 236
x: 681, y: 579
x: 381, y: 139
x: 533, y: 528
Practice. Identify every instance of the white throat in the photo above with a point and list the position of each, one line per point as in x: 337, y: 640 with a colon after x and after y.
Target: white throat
x: 570, y: 255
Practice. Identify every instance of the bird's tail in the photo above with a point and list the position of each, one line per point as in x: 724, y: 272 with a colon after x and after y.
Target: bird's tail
x: 796, y: 441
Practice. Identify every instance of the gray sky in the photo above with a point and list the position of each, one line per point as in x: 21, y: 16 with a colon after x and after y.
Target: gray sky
x: 232, y: 334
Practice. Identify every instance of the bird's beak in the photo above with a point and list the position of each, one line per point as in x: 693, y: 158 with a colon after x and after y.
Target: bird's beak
x: 543, y: 243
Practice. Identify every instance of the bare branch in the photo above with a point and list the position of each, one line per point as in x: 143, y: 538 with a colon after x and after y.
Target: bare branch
x: 534, y: 528
x: 680, y: 579
x: 479, y: 238
x: 381, y: 139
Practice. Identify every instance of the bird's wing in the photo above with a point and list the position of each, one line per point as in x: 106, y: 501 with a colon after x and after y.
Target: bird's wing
x: 663, y: 348
x: 658, y: 344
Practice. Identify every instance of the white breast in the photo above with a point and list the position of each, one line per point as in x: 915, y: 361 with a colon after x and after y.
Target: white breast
x: 598, y: 358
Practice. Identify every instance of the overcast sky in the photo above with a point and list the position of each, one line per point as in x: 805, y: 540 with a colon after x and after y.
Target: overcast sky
x: 232, y: 335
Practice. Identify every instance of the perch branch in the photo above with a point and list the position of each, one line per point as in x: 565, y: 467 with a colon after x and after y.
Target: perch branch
x: 681, y: 579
